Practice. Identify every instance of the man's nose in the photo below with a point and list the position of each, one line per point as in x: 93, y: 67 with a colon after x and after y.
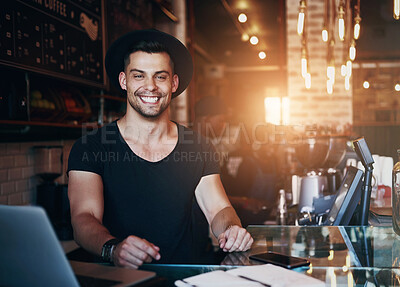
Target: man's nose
x: 150, y: 84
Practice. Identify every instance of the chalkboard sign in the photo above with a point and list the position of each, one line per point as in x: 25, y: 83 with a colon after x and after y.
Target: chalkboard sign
x: 60, y: 38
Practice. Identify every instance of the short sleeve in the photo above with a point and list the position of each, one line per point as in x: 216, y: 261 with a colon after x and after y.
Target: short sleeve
x: 86, y: 155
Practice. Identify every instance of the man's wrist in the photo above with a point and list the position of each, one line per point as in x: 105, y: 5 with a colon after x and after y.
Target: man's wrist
x: 108, y: 249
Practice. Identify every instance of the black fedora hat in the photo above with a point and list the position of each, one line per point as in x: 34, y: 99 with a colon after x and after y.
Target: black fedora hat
x: 179, y: 54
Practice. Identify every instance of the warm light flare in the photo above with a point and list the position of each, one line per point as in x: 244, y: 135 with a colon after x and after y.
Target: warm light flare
x: 242, y: 18
x: 308, y: 81
x: 245, y: 37
x: 350, y: 280
x: 300, y: 23
x: 352, y: 51
x: 343, y: 70
x: 347, y: 83
x: 254, y: 40
x: 341, y: 29
x: 396, y: 9
x: 329, y: 86
x: 349, y: 66
x: 273, y: 107
x: 310, y: 269
x: 330, y: 73
x: 341, y: 21
x: 332, y: 275
x: 366, y: 85
x: 303, y: 67
x: 397, y: 87
x: 262, y: 55
x: 357, y: 26
x: 301, y: 18
x: 356, y: 31
x: 331, y: 255
x: 325, y: 35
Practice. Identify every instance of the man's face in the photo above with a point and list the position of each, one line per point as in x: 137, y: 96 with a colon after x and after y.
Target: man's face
x: 149, y: 82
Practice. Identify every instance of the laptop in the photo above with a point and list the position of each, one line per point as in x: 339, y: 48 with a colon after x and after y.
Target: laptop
x: 31, y: 255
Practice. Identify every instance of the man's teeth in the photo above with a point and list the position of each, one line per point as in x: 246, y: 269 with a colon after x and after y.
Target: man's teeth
x: 149, y: 99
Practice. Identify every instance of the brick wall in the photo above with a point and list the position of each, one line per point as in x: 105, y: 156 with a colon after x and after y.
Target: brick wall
x: 17, y: 175
x: 314, y: 106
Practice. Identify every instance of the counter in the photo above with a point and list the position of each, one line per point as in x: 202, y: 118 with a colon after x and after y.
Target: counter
x: 339, y: 256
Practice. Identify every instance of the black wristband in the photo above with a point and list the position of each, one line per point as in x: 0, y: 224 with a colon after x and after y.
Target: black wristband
x: 108, y: 249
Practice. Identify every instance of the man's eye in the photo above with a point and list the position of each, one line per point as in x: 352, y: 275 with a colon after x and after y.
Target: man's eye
x: 161, y: 78
x: 138, y: 76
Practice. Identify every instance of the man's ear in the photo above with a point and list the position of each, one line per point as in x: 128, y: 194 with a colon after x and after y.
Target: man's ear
x: 175, y: 83
x: 122, y: 80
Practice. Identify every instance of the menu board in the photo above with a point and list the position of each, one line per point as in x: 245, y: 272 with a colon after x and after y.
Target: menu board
x: 60, y: 38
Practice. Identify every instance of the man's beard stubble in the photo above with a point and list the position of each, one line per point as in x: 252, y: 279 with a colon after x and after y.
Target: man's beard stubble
x: 139, y: 108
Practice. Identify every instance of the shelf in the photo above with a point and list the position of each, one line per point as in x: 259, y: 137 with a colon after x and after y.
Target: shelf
x: 44, y: 124
x: 109, y: 97
x: 15, y: 130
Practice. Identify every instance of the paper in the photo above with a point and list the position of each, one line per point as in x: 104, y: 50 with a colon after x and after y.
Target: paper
x: 268, y: 274
x: 217, y: 278
x: 276, y: 276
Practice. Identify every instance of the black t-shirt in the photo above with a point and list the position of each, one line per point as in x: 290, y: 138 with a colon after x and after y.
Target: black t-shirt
x: 151, y: 200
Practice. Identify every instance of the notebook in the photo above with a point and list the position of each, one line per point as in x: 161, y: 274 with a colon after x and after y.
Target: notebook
x: 31, y: 255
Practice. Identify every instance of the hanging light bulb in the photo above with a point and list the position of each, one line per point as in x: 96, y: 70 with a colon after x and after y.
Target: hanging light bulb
x: 343, y: 70
x: 242, y: 18
x: 303, y: 62
x: 347, y: 83
x: 341, y: 21
x: 330, y: 71
x: 352, y: 50
x: 308, y: 81
x: 300, y: 21
x: 396, y: 9
x: 329, y: 86
x: 262, y: 55
x: 349, y: 68
x: 254, y: 40
x: 397, y: 87
x: 324, y: 34
x: 357, y: 26
x: 366, y: 85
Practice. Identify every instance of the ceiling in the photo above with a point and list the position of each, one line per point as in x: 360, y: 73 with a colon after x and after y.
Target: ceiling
x: 218, y: 31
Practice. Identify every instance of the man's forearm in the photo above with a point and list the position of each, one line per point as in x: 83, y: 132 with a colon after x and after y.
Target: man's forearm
x: 89, y: 233
x: 223, y: 219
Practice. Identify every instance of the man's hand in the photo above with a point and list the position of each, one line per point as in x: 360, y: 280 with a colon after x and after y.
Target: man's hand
x: 235, y: 238
x: 134, y: 251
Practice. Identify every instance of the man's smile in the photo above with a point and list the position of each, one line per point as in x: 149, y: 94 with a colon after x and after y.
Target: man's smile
x: 149, y: 100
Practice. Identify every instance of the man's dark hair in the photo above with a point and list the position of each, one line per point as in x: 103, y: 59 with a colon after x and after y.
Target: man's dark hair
x: 147, y: 47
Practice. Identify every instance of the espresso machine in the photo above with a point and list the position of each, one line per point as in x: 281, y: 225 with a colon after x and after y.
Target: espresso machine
x: 319, y: 157
x: 52, y: 196
x: 311, y: 151
x: 337, y: 151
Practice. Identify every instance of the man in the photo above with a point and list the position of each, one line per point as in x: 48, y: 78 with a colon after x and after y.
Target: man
x: 132, y: 182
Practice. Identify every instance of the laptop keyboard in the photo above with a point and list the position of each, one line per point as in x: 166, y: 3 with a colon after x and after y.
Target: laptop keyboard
x: 87, y: 281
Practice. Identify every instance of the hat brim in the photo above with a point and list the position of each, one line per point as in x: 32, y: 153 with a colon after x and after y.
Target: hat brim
x: 183, y: 64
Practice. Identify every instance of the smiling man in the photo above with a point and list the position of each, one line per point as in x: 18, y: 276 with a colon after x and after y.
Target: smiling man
x: 138, y: 208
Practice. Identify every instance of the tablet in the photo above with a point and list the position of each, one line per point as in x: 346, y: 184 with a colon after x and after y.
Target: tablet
x: 346, y: 199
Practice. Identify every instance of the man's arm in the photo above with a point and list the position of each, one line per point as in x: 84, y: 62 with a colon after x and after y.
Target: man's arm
x: 85, y: 192
x: 221, y: 216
